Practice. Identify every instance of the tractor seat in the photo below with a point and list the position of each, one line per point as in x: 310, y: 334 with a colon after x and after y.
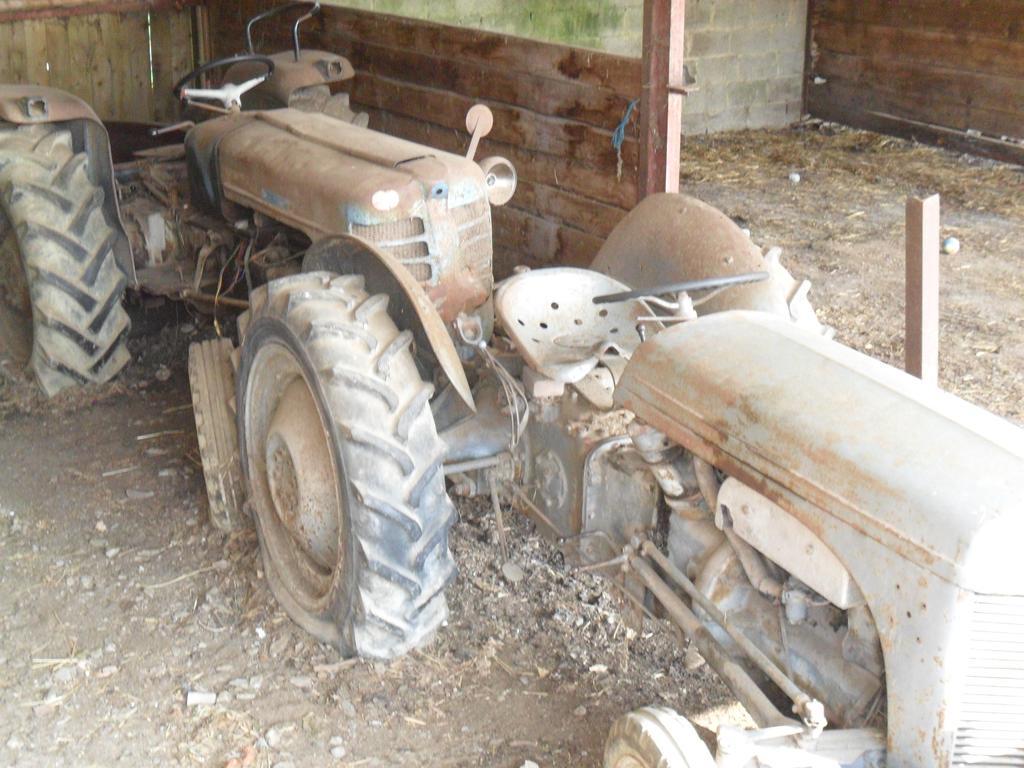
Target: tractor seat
x: 551, y: 318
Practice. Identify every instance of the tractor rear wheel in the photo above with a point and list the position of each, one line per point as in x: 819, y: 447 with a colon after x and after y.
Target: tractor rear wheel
x: 655, y: 737
x: 60, y: 284
x: 343, y: 466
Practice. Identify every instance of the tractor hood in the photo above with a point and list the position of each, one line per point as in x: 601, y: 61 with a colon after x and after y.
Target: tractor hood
x: 931, y: 477
x: 427, y: 208
x: 320, y: 174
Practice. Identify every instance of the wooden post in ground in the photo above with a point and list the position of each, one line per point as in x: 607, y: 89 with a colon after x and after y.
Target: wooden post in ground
x: 922, y: 302
x: 661, y: 96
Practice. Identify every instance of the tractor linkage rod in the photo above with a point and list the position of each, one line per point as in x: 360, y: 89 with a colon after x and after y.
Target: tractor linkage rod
x: 749, y: 693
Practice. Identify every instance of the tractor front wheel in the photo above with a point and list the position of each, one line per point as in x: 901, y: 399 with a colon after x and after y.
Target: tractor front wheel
x: 343, y: 466
x: 655, y: 737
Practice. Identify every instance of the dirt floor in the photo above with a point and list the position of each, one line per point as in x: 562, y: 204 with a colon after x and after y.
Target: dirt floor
x: 118, y: 598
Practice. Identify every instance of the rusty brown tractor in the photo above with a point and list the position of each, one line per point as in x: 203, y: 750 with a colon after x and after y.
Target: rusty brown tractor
x: 836, y: 539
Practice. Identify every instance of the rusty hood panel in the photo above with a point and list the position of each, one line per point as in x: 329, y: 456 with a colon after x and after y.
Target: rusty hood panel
x: 315, y: 172
x: 327, y: 177
x: 937, y: 480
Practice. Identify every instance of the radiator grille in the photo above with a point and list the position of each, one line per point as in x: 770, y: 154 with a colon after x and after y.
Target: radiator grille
x: 990, y: 729
x: 473, y: 222
x: 405, y: 240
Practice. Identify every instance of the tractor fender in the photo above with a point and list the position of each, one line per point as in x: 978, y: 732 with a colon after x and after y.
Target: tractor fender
x: 409, y: 305
x: 669, y: 238
x: 901, y: 461
x: 36, y: 104
x: 918, y: 494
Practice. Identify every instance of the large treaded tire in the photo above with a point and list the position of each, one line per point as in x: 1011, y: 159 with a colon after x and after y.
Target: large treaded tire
x: 655, y: 737
x: 54, y: 230
x: 385, y: 594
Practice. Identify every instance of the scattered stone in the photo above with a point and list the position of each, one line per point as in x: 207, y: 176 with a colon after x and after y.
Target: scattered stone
x: 101, y: 527
x: 513, y: 573
x: 163, y: 373
x: 200, y: 699
x: 692, y: 659
x: 88, y: 583
x: 951, y: 246
x: 529, y: 764
x: 65, y: 674
x: 794, y: 177
x: 580, y: 711
x: 112, y: 552
x: 137, y: 495
x: 273, y: 737
x: 302, y: 681
x: 599, y: 669
x: 337, y: 745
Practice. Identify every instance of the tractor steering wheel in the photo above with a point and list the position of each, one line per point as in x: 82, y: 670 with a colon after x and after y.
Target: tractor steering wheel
x: 229, y: 94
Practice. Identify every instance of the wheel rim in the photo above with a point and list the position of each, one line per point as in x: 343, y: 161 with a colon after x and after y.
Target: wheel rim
x: 296, y: 489
x: 629, y: 761
x: 15, y: 300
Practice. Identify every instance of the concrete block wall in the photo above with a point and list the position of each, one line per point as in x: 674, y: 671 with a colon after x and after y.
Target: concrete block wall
x: 747, y: 56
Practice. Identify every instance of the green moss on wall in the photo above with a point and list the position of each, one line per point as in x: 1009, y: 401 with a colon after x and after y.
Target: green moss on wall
x: 609, y: 25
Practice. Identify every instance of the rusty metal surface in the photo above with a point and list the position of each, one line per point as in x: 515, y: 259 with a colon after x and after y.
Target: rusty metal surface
x: 411, y: 307
x: 550, y: 316
x: 313, y: 68
x: 915, y: 490
x: 935, y: 479
x: 326, y: 177
x: 59, y: 105
x: 669, y: 238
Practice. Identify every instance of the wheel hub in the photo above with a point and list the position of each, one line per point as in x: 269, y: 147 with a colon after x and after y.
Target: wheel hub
x: 300, y: 475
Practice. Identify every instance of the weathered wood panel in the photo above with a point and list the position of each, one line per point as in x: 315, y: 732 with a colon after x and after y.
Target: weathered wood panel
x: 21, y: 10
x: 123, y: 64
x: 555, y: 111
x: 947, y: 72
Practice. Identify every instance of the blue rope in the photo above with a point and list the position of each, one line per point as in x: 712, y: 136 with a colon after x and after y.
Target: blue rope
x: 620, y: 132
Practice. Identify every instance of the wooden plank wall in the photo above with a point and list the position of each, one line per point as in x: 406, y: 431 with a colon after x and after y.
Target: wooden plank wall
x: 935, y: 69
x: 103, y: 58
x: 555, y: 109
